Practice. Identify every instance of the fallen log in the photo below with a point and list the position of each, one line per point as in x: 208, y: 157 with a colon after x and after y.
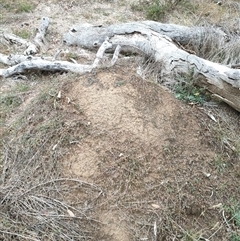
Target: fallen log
x: 164, y: 44
x: 93, y: 35
x: 146, y: 38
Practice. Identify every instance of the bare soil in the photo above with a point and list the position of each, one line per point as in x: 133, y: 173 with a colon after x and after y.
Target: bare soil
x: 151, y: 154
x: 163, y: 168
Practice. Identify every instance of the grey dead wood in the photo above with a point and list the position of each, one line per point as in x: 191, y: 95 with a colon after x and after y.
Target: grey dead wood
x: 160, y: 42
x: 157, y: 41
x: 33, y: 47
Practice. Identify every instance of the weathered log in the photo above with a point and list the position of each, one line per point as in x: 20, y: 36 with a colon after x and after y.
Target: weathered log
x: 91, y: 36
x: 160, y: 42
x: 143, y: 37
x: 18, y: 58
x: 25, y: 63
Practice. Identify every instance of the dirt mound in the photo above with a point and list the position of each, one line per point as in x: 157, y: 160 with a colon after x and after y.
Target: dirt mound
x: 126, y: 109
x: 115, y: 157
x: 145, y: 149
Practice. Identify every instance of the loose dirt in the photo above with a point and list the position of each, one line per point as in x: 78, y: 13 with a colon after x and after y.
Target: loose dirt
x: 148, y: 151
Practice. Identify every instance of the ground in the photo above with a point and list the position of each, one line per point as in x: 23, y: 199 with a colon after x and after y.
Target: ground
x: 125, y: 159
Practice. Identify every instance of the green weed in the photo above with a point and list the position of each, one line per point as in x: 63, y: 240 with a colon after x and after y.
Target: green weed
x: 140, y: 7
x: 237, y: 148
x: 234, y: 237
x: 24, y: 7
x: 234, y: 212
x: 21, y: 87
x: 17, y: 6
x: 22, y: 33
x: 7, y: 4
x: 10, y: 101
x: 119, y: 83
x: 238, y: 173
x: 190, y: 236
x: 78, y: 108
x: 71, y: 55
x: 219, y: 163
x: 187, y: 91
x: 157, y: 11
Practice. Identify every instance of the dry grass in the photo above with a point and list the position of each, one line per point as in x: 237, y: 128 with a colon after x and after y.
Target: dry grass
x: 18, y: 6
x: 213, y: 45
x: 39, y: 203
x: 216, y: 47
x: 33, y: 190
x: 220, y: 39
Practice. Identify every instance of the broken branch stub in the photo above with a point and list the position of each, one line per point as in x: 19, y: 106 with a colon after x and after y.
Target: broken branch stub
x: 39, y: 40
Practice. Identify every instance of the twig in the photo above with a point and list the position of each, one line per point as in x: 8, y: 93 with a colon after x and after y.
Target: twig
x: 105, y: 45
x: 235, y: 66
x: 4, y: 167
x: 182, y: 229
x: 56, y: 55
x: 214, y: 233
x: 19, y: 235
x: 115, y: 55
x: 19, y: 58
x: 224, y: 218
x: 66, y: 206
x: 14, y: 39
x: 29, y: 161
x: 155, y: 230
x: 39, y: 38
x: 59, y: 180
x: 40, y: 64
